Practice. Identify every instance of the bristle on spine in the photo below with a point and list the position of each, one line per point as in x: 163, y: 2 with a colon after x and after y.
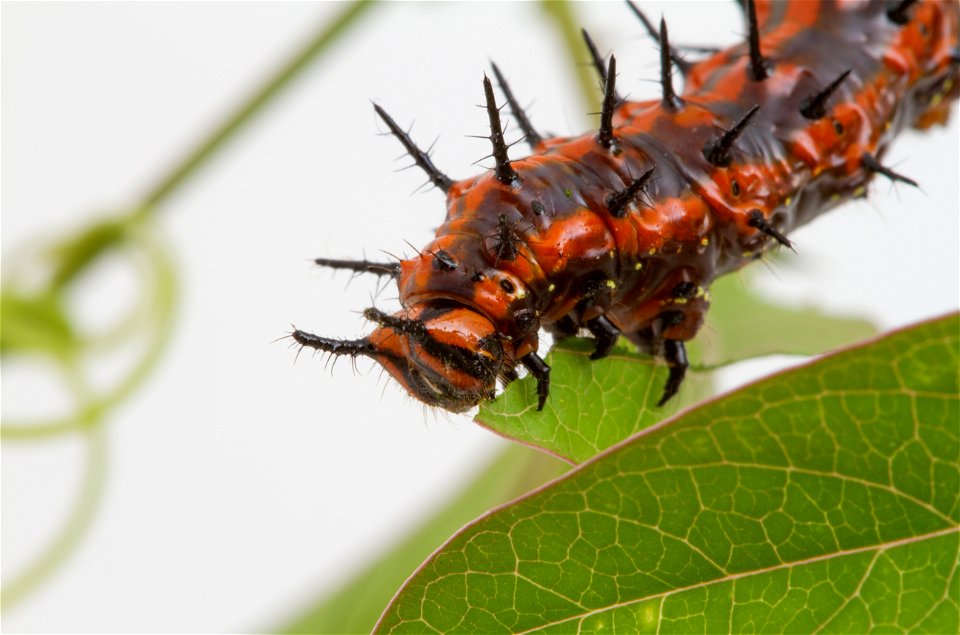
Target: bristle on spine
x: 504, y: 171
x: 618, y: 201
x: 815, y: 106
x: 532, y: 137
x: 683, y: 65
x: 670, y: 100
x: 717, y: 152
x: 421, y: 158
x: 871, y: 163
x: 758, y: 65
x: 605, y: 136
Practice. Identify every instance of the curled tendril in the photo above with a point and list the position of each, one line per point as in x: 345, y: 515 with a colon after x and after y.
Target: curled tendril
x: 148, y: 322
x: 73, y: 530
x: 150, y: 319
x: 37, y: 323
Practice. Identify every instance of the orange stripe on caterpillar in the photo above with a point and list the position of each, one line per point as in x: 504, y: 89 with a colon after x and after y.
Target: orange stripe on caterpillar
x: 622, y: 230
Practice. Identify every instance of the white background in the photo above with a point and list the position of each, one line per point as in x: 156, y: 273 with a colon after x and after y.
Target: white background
x: 240, y: 484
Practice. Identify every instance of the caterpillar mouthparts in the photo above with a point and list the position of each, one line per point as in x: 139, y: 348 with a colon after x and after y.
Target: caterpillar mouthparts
x: 620, y: 231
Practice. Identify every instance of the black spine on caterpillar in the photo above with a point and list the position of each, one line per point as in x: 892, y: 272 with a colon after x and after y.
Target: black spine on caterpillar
x: 622, y: 230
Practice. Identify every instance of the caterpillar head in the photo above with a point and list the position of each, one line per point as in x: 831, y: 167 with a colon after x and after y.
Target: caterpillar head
x: 444, y: 356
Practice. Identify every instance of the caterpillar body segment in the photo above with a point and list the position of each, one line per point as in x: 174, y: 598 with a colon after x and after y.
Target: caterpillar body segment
x: 621, y: 230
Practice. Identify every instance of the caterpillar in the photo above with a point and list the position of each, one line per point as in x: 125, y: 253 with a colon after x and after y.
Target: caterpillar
x: 621, y: 231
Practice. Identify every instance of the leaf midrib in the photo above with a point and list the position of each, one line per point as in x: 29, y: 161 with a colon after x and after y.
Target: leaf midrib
x: 721, y: 568
x: 787, y: 470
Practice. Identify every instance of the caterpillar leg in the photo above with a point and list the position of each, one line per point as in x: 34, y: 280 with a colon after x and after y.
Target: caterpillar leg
x: 651, y: 340
x: 603, y: 330
x: 606, y: 333
x: 675, y: 354
x: 541, y: 372
x: 563, y: 328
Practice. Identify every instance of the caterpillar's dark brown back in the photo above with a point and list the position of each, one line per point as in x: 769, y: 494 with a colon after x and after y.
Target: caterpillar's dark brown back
x: 621, y: 230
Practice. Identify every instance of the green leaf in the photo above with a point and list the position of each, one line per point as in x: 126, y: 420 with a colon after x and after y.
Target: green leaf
x: 594, y: 405
x: 742, y: 324
x: 823, y: 498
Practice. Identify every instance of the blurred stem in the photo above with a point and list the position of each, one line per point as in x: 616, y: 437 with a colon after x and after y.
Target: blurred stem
x: 316, y: 45
x: 74, y: 529
x: 157, y: 304
x: 569, y: 27
x: 79, y: 251
x: 73, y: 256
x: 355, y: 606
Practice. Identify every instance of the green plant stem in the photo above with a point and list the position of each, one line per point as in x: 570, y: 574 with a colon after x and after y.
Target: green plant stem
x: 355, y: 606
x: 159, y: 297
x: 569, y: 27
x: 77, y: 253
x: 76, y: 526
x: 84, y: 248
x: 196, y: 158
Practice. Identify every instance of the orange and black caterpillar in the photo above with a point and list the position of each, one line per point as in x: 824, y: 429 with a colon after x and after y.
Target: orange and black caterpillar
x: 622, y: 230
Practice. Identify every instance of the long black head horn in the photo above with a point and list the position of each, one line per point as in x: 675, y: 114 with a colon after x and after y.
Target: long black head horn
x: 407, y: 326
x: 391, y: 269
x: 336, y: 346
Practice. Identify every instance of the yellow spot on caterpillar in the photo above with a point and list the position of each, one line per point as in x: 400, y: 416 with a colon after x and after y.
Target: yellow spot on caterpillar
x: 835, y: 197
x: 936, y: 99
x: 887, y: 125
x: 652, y: 251
x: 947, y: 85
x: 704, y: 241
x: 859, y: 191
x: 701, y: 292
x: 747, y: 254
x: 638, y: 266
x: 552, y: 288
x: 787, y: 201
x: 611, y: 284
x: 679, y: 248
x: 611, y: 253
x: 706, y: 296
x: 680, y: 301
